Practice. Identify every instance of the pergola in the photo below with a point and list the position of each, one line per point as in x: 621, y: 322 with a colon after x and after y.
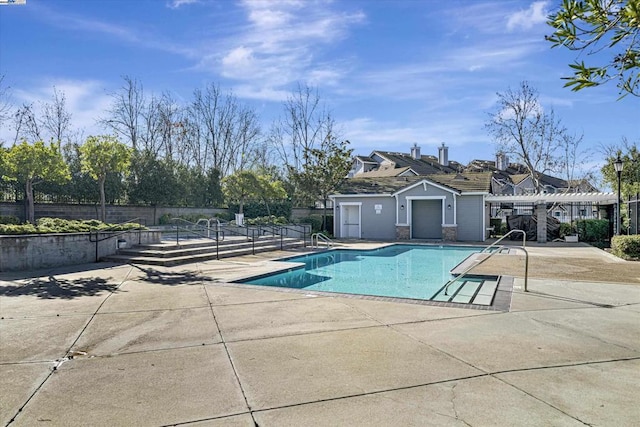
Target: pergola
x: 596, y: 198
x: 544, y: 199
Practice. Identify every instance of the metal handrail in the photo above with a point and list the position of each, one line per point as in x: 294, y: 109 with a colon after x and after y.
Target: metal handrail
x: 482, y: 261
x: 194, y: 224
x: 318, y: 237
x: 524, y: 239
x: 140, y: 221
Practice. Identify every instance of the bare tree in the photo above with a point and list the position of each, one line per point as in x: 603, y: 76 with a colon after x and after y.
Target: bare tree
x: 6, y: 105
x: 123, y: 118
x: 220, y: 132
x: 56, y: 119
x: 26, y: 124
x: 304, y: 126
x: 171, y: 129
x: 524, y: 130
x: 574, y: 163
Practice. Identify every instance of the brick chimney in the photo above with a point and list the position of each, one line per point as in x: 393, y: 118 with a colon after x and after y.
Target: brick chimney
x: 443, y: 155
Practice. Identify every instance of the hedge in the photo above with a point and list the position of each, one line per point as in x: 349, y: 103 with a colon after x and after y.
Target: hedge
x: 593, y: 230
x: 255, y: 209
x: 626, y: 247
x: 58, y: 225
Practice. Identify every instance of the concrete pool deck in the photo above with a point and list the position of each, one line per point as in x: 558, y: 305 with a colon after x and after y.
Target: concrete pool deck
x: 106, y: 344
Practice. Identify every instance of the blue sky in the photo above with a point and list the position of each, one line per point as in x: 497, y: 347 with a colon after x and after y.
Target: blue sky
x: 393, y: 72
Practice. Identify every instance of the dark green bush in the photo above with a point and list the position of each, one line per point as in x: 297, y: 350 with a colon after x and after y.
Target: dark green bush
x: 224, y: 216
x: 9, y: 219
x: 593, y: 230
x: 626, y: 247
x: 566, y: 229
x: 258, y: 209
x: 316, y: 223
x: 265, y: 220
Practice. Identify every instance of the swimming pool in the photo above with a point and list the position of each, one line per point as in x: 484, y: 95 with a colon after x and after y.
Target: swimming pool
x: 400, y: 271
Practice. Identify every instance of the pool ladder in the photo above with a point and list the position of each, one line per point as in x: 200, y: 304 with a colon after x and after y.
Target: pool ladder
x: 499, y: 249
x: 317, y: 237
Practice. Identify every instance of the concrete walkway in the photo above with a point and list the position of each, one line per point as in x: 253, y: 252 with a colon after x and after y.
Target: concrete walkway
x: 111, y: 345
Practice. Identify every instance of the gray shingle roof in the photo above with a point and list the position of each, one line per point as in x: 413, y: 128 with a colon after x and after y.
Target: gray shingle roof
x: 464, y: 182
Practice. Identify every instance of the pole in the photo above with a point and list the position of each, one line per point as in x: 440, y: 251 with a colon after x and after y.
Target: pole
x: 619, y: 222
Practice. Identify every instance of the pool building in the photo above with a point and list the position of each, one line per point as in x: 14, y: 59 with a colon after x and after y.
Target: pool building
x: 449, y: 207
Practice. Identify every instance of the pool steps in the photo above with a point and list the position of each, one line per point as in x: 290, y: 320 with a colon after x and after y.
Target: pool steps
x: 168, y: 253
x: 471, y: 291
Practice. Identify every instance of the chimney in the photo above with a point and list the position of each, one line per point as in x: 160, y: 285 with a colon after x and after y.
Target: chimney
x: 415, y: 151
x: 502, y: 161
x: 443, y: 155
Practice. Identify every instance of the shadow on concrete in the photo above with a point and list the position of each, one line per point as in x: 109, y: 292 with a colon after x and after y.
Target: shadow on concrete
x: 52, y: 288
x: 170, y: 278
x: 65, y: 269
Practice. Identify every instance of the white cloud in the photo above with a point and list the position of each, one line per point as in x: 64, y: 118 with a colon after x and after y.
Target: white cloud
x: 527, y: 19
x: 174, y: 4
x: 70, y: 21
x: 281, y: 43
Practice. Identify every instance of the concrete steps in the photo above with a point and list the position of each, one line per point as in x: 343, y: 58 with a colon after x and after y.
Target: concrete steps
x: 472, y: 290
x: 170, y: 253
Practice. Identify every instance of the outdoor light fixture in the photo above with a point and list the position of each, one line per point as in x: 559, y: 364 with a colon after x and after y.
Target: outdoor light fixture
x: 401, y: 207
x: 448, y: 206
x: 619, y: 166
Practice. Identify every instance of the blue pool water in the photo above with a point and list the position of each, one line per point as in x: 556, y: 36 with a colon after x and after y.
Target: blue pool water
x: 400, y: 271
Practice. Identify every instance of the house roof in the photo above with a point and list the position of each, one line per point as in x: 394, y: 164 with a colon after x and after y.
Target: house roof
x: 366, y: 159
x: 464, y: 182
x: 425, y: 165
x: 384, y: 172
x: 517, y: 179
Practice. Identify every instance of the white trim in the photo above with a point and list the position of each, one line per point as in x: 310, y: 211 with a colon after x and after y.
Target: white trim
x: 359, y: 205
x: 424, y: 182
x: 333, y: 196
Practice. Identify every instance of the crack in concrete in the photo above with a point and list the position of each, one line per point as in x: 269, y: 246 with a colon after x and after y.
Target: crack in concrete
x: 453, y: 404
x: 62, y: 360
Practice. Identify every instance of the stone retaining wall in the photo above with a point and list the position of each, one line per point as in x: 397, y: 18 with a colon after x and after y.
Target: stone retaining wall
x: 31, y: 252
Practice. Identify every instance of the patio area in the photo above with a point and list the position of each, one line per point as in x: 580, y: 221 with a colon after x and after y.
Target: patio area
x: 106, y: 344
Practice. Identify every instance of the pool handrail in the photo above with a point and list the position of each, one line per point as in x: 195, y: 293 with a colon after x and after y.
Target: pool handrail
x: 318, y: 237
x: 524, y: 239
x: 482, y: 261
x: 110, y: 233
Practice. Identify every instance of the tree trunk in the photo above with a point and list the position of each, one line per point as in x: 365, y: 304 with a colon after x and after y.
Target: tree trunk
x: 103, y: 208
x: 29, y: 205
x: 324, y: 215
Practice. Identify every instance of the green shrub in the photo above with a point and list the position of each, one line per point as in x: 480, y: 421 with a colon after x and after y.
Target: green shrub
x: 9, y: 219
x: 566, y: 229
x: 316, y: 223
x: 264, y: 220
x: 58, y: 225
x: 626, y: 247
x: 18, y: 229
x: 593, y: 230
x: 258, y: 209
x: 224, y: 216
